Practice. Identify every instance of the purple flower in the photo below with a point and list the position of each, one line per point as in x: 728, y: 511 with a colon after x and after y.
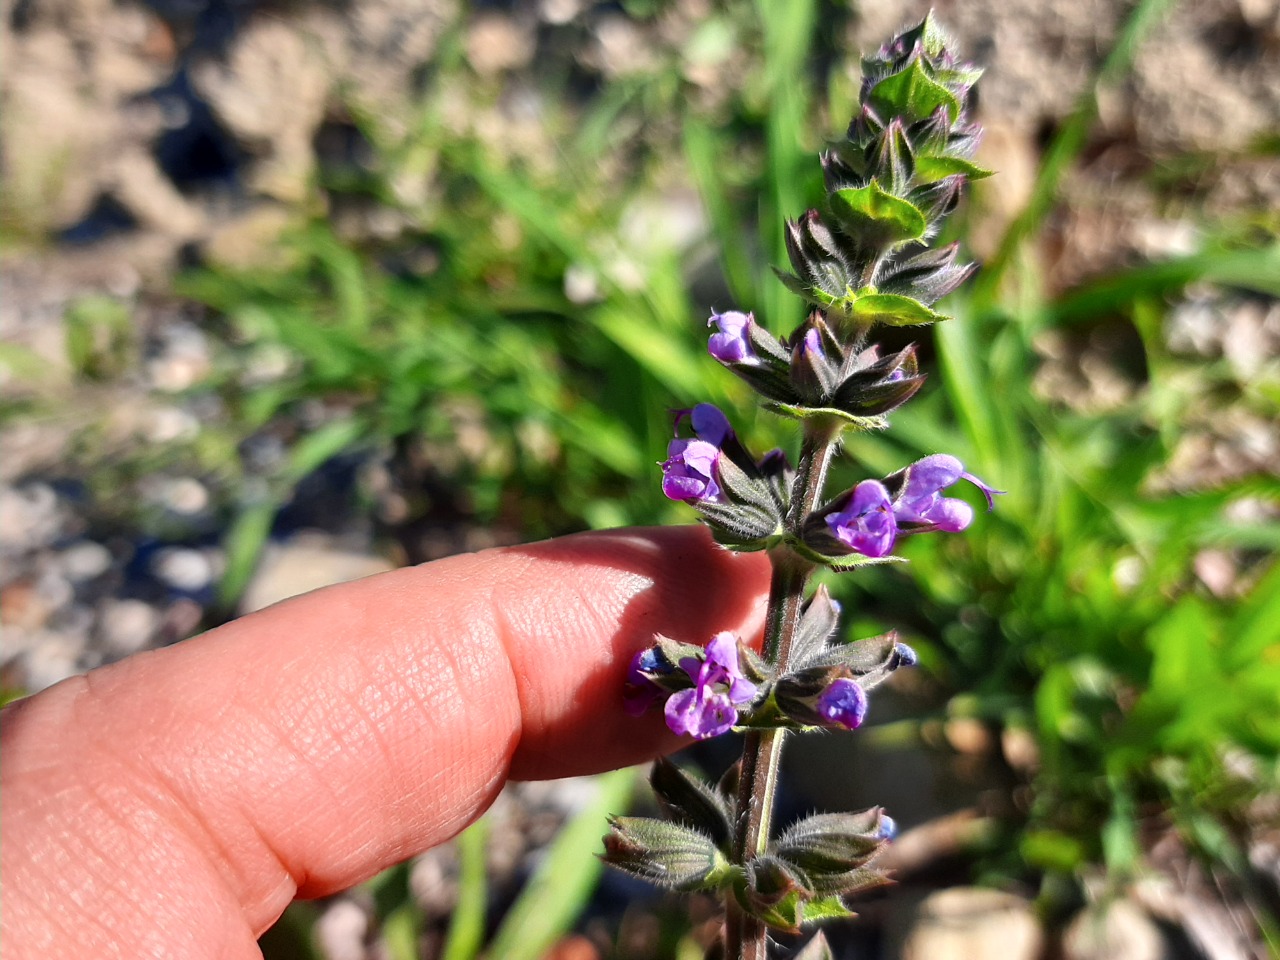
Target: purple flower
x: 844, y: 703
x: 710, y: 708
x: 709, y: 423
x: 732, y: 344
x: 888, y: 828
x: 921, y: 500
x: 868, y: 524
x: 640, y: 692
x: 689, y: 471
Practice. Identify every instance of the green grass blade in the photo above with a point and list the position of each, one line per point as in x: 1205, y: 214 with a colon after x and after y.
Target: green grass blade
x: 248, y: 533
x: 243, y: 545
x: 788, y: 28
x: 401, y: 930
x: 702, y: 149
x: 466, y: 927
x: 321, y: 445
x: 559, y: 890
x: 1255, y: 270
x: 967, y: 380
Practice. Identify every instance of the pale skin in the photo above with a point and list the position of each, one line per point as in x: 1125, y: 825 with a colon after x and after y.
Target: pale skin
x: 173, y: 804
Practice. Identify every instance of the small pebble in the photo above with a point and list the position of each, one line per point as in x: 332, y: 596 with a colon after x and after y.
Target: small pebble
x: 23, y: 607
x: 29, y: 516
x: 183, y: 568
x: 127, y: 626
x: 51, y: 659
x: 185, y: 496
x: 169, y: 424
x: 83, y: 561
x: 341, y: 930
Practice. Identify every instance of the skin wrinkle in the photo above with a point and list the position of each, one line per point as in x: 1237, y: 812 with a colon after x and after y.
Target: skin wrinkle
x: 235, y: 837
x: 88, y: 854
x: 222, y: 842
x: 109, y: 803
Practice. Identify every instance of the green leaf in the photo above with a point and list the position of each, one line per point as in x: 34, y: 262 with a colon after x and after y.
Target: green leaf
x: 665, y: 853
x: 1052, y: 850
x: 912, y: 93
x: 877, y: 216
x: 466, y: 925
x: 932, y: 168
x: 840, y: 564
x: 798, y: 286
x: 825, y: 908
x: 895, y: 310
x: 799, y: 412
x: 688, y: 801
x: 1253, y: 628
x: 559, y: 890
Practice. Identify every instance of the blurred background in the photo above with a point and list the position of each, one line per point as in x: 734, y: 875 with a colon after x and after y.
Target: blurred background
x: 296, y: 292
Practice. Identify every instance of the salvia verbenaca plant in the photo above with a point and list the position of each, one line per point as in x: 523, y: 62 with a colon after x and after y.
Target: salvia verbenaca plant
x: 865, y: 261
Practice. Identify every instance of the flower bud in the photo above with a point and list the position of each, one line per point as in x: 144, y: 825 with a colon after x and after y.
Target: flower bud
x: 664, y: 853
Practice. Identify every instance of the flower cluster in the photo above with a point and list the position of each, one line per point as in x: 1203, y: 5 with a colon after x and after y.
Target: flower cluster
x: 742, y: 499
x: 689, y: 471
x: 869, y: 518
x: 863, y: 261
x: 710, y: 708
x: 707, y: 691
x: 720, y: 687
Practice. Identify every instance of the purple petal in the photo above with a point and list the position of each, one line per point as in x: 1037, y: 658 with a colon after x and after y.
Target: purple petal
x: 950, y: 515
x: 931, y: 474
x: 722, y: 650
x: 710, y: 424
x: 868, y: 525
x: 813, y: 341
x: 688, y: 472
x: 988, y: 492
x: 681, y: 711
x: 868, y: 495
x: 920, y: 501
x: 679, y: 483
x: 888, y: 828
x: 731, y: 344
x: 700, y: 717
x: 727, y: 349
x: 722, y: 655
x: 843, y: 703
x: 731, y: 321
x: 697, y: 455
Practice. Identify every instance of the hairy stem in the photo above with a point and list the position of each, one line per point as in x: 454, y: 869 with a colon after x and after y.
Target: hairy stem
x: 746, y: 938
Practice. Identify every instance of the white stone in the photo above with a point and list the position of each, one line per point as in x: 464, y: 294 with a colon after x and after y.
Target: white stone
x: 127, y: 626
x: 183, y: 568
x: 306, y: 563
x: 965, y: 923
x: 83, y: 561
